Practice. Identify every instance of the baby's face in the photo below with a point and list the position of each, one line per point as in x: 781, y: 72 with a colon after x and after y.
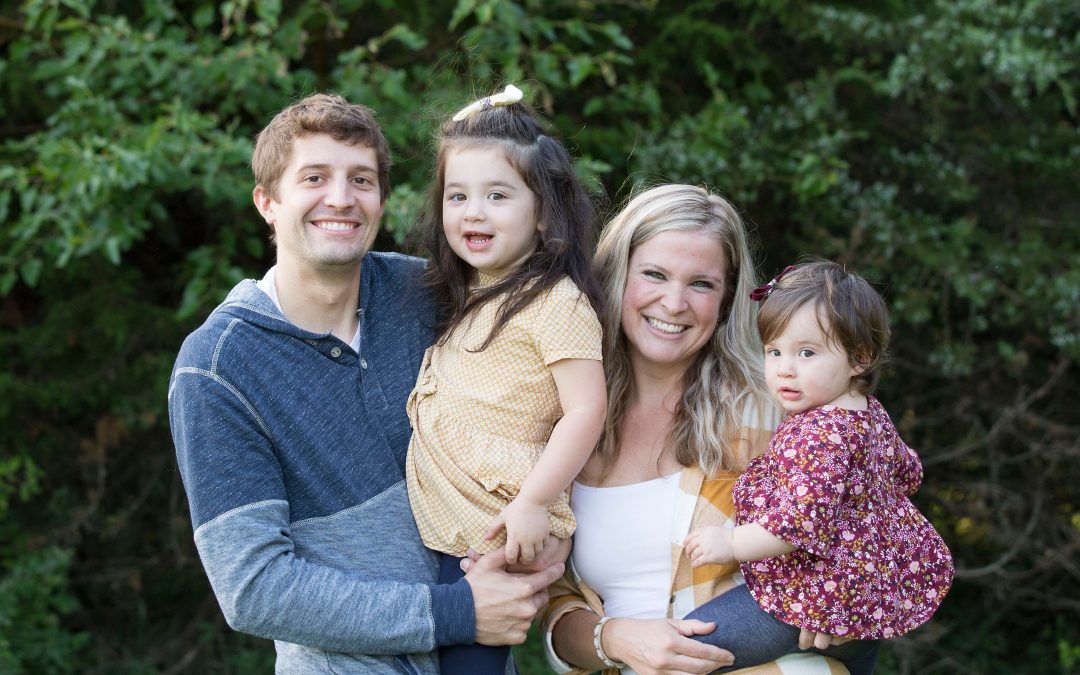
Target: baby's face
x: 804, y: 370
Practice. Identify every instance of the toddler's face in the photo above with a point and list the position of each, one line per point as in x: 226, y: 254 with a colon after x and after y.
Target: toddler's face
x: 804, y: 370
x: 489, y: 214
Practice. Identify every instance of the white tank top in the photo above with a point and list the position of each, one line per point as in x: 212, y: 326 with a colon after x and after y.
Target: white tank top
x: 622, y: 546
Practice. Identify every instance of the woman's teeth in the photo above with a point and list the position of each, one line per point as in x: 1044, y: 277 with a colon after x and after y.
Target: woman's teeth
x: 665, y: 327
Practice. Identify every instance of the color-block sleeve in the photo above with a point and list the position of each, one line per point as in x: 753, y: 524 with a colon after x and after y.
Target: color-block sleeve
x: 567, y: 326
x: 810, y: 461
x: 242, y: 532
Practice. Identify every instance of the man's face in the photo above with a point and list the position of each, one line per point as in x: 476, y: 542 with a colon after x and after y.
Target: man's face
x: 326, y: 212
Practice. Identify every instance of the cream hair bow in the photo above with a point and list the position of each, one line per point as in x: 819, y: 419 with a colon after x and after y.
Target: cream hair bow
x: 506, y: 97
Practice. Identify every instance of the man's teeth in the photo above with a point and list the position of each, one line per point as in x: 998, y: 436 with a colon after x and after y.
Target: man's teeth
x: 334, y: 226
x: 665, y: 327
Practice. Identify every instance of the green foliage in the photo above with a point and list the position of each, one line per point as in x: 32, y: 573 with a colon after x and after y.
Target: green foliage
x: 529, y: 657
x: 932, y: 146
x: 34, y: 596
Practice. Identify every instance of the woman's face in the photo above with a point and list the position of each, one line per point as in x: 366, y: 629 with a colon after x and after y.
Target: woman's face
x: 671, y: 303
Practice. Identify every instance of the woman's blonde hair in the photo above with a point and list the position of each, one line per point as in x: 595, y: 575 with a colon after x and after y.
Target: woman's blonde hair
x: 726, y: 379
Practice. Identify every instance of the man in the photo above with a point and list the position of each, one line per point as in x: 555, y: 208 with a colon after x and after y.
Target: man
x: 287, y: 409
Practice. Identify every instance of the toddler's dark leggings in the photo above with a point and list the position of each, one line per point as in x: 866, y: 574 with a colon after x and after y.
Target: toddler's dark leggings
x: 467, y: 659
x: 754, y: 636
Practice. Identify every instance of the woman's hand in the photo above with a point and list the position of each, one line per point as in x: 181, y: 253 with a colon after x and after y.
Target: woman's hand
x: 662, y: 646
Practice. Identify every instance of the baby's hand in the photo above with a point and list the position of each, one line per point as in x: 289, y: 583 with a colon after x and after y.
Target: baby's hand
x: 709, y: 544
x: 526, y: 526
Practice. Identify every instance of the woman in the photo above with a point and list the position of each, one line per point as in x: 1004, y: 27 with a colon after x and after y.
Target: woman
x: 687, y: 410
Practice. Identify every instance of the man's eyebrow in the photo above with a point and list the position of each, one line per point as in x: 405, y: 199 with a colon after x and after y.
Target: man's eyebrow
x: 356, y: 168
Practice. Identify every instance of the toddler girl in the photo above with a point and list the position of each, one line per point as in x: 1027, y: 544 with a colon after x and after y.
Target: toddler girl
x: 828, y: 539
x: 510, y: 400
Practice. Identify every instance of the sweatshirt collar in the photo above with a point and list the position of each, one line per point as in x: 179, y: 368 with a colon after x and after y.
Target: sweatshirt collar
x: 249, y: 302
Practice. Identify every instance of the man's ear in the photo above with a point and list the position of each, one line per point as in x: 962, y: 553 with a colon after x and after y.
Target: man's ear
x: 264, y: 202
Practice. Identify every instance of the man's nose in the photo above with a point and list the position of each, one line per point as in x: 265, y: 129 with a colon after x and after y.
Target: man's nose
x: 339, y: 194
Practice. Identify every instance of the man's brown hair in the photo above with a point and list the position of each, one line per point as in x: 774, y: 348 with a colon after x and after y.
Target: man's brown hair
x: 327, y: 114
x: 852, y: 315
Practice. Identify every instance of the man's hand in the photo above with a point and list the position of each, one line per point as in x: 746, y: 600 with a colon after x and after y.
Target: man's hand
x: 505, y: 602
x: 526, y: 526
x: 709, y: 545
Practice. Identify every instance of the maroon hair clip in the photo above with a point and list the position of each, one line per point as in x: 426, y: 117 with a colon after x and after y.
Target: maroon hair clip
x: 762, y: 292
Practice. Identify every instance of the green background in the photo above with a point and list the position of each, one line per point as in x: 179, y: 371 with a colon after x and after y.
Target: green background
x: 931, y: 146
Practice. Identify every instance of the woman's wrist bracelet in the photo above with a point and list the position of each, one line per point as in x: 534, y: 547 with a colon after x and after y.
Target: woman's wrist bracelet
x: 599, y: 647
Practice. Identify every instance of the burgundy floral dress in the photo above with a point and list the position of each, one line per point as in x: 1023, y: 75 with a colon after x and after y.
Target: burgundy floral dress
x: 834, y: 483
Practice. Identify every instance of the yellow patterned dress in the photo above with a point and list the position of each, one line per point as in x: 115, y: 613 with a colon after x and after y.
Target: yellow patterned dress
x: 480, y: 419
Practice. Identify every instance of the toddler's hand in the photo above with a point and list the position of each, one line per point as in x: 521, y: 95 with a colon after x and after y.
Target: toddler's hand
x: 555, y: 550
x: 526, y: 526
x: 709, y: 544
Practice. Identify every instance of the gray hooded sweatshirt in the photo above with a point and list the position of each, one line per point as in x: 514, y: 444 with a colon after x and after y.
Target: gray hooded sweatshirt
x: 292, y: 451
